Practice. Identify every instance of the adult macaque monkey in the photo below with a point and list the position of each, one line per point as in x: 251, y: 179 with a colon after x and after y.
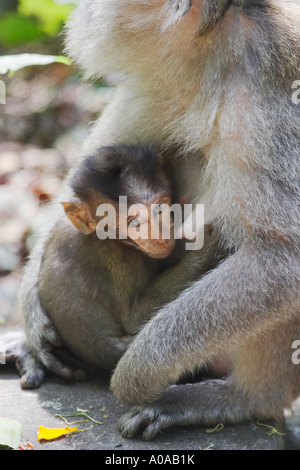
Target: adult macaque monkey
x: 215, y: 77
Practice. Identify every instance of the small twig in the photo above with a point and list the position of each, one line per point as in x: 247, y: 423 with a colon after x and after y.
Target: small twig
x: 218, y: 428
x: 79, y: 413
x: 272, y: 429
x: 209, y: 447
x: 69, y: 423
x: 82, y: 430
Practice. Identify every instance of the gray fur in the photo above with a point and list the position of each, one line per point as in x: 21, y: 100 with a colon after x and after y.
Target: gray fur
x: 217, y: 82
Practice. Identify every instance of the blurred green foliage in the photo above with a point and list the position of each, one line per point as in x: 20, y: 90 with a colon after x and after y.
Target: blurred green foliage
x: 12, y: 63
x: 23, y: 21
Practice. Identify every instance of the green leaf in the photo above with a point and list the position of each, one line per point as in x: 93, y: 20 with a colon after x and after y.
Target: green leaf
x: 50, y: 14
x: 15, y: 29
x: 12, y: 63
x: 63, y: 60
x: 10, y: 433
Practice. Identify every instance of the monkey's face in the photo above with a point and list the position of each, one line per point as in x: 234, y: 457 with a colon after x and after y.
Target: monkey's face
x: 149, y: 227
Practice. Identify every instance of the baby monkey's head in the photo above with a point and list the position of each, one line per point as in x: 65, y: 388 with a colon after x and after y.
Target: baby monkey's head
x: 122, y: 192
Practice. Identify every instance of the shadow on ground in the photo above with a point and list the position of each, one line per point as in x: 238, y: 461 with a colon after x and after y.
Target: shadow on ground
x: 39, y: 407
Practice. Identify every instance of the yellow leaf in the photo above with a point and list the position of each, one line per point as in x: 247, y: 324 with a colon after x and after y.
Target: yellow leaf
x: 53, y: 433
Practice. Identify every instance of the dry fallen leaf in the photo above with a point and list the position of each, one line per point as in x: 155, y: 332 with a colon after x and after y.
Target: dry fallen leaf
x: 48, y: 434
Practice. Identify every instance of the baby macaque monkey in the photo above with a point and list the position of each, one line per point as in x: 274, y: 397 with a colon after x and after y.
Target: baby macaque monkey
x: 100, y: 277
x: 93, y: 285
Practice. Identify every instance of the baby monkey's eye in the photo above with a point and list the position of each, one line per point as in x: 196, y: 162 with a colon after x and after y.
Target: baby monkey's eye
x: 134, y: 223
x: 160, y: 208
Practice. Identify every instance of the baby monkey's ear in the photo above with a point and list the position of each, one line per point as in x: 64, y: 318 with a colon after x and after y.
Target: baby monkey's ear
x: 80, y: 215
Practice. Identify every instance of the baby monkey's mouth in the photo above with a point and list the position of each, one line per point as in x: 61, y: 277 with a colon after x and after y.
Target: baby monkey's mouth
x: 160, y: 250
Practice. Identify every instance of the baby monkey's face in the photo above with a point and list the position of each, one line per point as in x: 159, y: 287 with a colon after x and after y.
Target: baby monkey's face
x: 123, y: 193
x: 149, y: 227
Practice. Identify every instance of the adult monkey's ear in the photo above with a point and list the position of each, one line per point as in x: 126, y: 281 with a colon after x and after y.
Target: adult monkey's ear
x: 210, y: 12
x: 176, y: 9
x: 181, y: 7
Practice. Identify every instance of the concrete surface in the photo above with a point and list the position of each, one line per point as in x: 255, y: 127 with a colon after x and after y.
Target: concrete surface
x: 39, y: 407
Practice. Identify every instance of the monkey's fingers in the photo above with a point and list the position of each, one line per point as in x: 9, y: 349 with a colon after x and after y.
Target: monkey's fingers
x: 80, y: 372
x: 169, y: 410
x: 149, y: 421
x: 69, y: 369
x: 131, y: 422
x: 30, y: 369
x: 51, y: 362
x: 32, y: 376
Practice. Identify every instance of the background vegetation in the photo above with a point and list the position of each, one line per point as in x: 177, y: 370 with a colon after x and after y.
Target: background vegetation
x: 43, y: 121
